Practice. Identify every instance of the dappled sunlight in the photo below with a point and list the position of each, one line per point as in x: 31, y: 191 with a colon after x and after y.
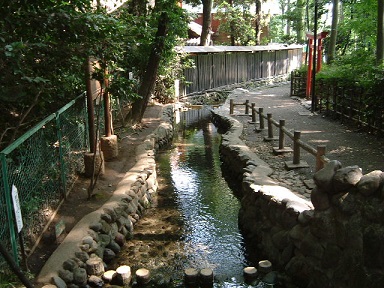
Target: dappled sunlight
x: 311, y: 131
x: 341, y: 149
x: 319, y: 141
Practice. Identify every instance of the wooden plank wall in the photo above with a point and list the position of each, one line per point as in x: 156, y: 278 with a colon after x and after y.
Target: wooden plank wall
x: 214, y: 70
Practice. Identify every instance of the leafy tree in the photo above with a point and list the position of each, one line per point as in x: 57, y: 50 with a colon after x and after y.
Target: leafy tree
x: 237, y: 21
x: 167, y: 14
x: 44, y: 44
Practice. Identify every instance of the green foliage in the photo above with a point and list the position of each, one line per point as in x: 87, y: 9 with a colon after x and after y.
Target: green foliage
x: 44, y: 46
x: 237, y: 20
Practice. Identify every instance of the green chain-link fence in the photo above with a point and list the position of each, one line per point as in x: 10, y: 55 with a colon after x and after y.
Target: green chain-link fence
x: 42, y: 165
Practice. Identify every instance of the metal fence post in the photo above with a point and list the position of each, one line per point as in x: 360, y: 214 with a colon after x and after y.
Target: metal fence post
x: 61, y: 158
x: 9, y: 208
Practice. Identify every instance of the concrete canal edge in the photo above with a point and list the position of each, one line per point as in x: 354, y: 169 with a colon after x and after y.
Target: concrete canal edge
x: 101, y: 233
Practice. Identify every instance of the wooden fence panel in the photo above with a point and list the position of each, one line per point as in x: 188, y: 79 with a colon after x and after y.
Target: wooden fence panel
x: 205, y: 72
x: 281, y: 62
x: 219, y: 70
x: 192, y: 78
x: 242, y: 67
x: 231, y: 69
x: 295, y: 59
x: 250, y: 66
x: 268, y: 63
x: 224, y: 68
x: 258, y: 65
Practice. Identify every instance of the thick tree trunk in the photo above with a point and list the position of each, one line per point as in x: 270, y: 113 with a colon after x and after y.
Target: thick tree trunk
x: 333, y: 36
x: 149, y: 78
x: 205, y: 37
x: 380, y: 33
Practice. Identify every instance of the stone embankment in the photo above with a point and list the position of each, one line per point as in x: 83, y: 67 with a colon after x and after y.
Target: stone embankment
x: 99, y: 236
x: 334, y: 240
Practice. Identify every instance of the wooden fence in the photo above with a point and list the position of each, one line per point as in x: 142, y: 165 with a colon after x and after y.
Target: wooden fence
x: 348, y: 102
x: 218, y: 66
x: 318, y: 152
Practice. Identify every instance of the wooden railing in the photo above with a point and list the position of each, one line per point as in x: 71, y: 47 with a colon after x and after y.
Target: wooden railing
x: 318, y: 152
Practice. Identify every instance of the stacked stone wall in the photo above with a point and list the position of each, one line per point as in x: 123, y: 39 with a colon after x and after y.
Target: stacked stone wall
x: 98, y: 237
x: 334, y: 240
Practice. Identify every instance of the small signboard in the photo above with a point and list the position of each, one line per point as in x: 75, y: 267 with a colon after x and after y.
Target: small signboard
x: 17, y: 209
x: 59, y: 228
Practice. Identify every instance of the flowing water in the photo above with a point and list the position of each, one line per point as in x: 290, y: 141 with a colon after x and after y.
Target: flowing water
x: 208, y: 207
x: 194, y: 220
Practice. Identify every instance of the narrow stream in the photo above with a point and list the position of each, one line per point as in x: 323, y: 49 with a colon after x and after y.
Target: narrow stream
x: 208, y: 207
x: 193, y: 222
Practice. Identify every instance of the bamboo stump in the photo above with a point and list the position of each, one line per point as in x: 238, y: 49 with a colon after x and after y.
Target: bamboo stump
x: 250, y: 274
x: 88, y: 163
x: 191, y: 277
x: 95, y: 266
x: 265, y: 266
x: 143, y: 276
x: 122, y: 277
x: 109, y: 146
x: 108, y: 275
x: 206, y: 278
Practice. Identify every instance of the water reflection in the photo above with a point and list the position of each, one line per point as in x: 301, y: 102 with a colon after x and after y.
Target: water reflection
x: 208, y: 206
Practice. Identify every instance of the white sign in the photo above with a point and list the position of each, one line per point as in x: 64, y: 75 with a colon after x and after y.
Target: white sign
x: 16, y: 207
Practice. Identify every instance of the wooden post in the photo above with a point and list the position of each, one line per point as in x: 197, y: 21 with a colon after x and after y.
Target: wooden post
x: 281, y: 134
x: 253, y: 113
x: 320, y: 152
x: 270, y: 128
x: 261, y: 118
x: 246, y: 107
x: 107, y: 110
x: 296, y: 147
x: 231, y: 107
x: 281, y: 148
x: 296, y: 163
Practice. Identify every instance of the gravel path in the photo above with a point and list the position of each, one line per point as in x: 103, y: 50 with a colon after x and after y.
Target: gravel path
x: 345, y: 144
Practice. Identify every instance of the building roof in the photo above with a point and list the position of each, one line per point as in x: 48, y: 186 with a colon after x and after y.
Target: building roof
x: 221, y: 49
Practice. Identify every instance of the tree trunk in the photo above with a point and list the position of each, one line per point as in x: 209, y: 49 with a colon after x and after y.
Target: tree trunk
x: 232, y: 26
x: 258, y: 22
x: 205, y: 37
x: 288, y: 31
x: 150, y: 74
x: 299, y: 25
x: 380, y: 33
x: 333, y: 36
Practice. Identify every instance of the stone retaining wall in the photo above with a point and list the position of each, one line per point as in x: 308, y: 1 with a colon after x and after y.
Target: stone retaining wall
x: 336, y: 240
x: 98, y: 237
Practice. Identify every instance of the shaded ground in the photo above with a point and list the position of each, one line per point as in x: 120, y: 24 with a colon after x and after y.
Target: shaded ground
x: 344, y: 142
x: 77, y: 205
x: 159, y: 230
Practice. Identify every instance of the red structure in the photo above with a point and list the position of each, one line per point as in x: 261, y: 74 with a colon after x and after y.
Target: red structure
x: 319, y: 48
